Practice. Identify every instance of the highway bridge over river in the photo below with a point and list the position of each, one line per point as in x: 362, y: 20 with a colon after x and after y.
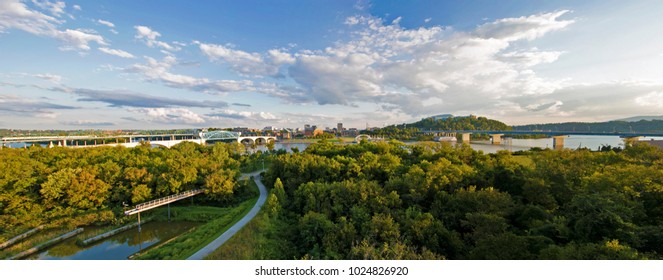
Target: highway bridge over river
x: 558, y: 136
x: 133, y: 140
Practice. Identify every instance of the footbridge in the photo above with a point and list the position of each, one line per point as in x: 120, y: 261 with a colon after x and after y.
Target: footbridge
x: 161, y: 202
x: 557, y: 136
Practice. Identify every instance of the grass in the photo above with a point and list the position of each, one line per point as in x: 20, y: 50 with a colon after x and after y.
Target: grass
x: 264, y: 237
x: 188, y: 243
x: 217, y: 221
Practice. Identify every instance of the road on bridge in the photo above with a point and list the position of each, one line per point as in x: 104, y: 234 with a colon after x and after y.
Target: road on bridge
x: 236, y: 227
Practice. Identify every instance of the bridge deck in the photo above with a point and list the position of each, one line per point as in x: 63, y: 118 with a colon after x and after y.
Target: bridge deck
x: 162, y: 201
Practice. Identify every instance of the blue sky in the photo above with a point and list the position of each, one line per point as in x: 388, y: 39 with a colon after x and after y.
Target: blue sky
x: 179, y: 64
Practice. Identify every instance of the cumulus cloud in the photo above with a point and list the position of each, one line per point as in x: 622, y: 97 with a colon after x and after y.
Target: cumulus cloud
x: 115, y: 52
x: 169, y: 115
x: 529, y: 28
x: 55, y: 8
x: 149, y: 37
x: 232, y: 114
x: 14, y: 14
x: 416, y: 71
x: 78, y: 39
x: 246, y: 63
x: 428, y: 70
x: 160, y: 71
x: 652, y: 99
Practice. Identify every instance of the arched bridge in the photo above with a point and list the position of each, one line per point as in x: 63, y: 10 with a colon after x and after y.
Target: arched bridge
x: 256, y: 139
x: 362, y: 136
x: 130, y: 141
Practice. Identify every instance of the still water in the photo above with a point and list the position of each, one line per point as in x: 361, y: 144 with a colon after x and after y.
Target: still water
x: 116, y: 247
x: 572, y: 142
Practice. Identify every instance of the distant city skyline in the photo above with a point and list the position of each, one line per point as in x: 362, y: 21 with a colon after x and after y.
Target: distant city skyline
x: 181, y: 64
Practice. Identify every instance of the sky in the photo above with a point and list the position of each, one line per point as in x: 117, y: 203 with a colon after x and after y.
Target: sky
x: 126, y: 64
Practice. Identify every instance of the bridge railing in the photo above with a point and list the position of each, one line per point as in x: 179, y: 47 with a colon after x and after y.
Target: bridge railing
x: 163, y: 200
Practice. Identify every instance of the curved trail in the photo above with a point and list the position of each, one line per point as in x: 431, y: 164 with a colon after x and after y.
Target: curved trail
x: 236, y: 227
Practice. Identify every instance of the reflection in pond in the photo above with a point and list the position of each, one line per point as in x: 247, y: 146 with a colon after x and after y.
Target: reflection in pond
x: 117, y: 247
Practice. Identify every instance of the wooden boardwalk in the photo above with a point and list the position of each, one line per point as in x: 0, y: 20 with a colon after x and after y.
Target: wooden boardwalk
x: 162, y: 201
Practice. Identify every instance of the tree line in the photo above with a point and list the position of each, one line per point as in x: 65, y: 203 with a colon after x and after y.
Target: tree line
x: 41, y: 185
x: 434, y: 201
x: 649, y: 126
x: 416, y: 130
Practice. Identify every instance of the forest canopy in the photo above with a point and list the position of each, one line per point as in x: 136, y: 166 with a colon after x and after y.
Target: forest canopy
x: 433, y: 201
x: 57, y: 185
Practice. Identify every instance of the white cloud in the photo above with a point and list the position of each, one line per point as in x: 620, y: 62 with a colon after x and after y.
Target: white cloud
x: 279, y: 57
x: 55, y: 8
x: 247, y: 63
x: 15, y: 14
x: 115, y: 52
x: 169, y: 115
x: 106, y: 23
x: 232, y: 114
x: 652, y: 99
x: 160, y: 71
x: 77, y: 8
x: 429, y: 70
x: 352, y: 20
x: 77, y: 39
x: 149, y: 37
x: 529, y: 28
x: 50, y: 77
x: 412, y: 71
x: 531, y: 58
x: 428, y: 20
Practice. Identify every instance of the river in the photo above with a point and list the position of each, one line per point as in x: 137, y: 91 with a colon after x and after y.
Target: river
x: 572, y: 142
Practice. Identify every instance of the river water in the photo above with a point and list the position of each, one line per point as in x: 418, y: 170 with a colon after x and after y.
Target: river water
x: 116, y: 247
x: 572, y: 142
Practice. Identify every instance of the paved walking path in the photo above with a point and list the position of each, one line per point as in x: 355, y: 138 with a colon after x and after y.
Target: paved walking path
x: 236, y: 227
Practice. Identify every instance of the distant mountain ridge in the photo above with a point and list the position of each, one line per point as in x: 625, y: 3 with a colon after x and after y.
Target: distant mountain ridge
x: 641, y: 118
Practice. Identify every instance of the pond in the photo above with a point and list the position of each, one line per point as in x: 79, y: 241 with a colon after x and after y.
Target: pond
x: 117, y: 247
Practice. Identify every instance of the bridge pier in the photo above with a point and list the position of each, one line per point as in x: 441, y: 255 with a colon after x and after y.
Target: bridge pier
x: 558, y: 141
x: 496, y: 139
x: 466, y: 137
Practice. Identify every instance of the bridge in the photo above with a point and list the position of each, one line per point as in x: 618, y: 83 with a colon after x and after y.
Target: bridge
x: 558, y: 136
x: 160, y: 202
x: 133, y: 140
x: 367, y: 137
